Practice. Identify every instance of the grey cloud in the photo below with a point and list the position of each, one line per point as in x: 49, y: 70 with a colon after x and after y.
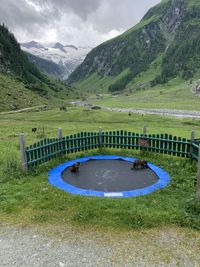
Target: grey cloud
x: 23, y: 18
x: 119, y: 15
x: 16, y: 13
x: 79, y: 21
x: 81, y: 8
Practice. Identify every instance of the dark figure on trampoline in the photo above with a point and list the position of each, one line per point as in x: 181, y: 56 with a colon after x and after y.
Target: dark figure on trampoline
x: 139, y: 164
x: 75, y: 167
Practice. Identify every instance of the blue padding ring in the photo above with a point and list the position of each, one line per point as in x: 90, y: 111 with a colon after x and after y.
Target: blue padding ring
x: 55, y: 179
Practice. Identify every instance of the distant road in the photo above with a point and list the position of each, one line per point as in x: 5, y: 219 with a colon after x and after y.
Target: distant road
x: 190, y: 114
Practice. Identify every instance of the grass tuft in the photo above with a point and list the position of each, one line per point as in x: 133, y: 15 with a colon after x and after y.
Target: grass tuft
x: 11, y: 168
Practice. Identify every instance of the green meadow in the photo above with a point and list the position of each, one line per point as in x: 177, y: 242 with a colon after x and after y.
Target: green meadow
x: 29, y: 199
x: 176, y: 94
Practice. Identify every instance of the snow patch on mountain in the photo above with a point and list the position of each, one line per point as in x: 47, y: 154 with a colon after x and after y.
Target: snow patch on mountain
x: 68, y: 56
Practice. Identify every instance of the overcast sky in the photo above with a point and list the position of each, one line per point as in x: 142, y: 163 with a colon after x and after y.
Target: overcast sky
x: 78, y: 22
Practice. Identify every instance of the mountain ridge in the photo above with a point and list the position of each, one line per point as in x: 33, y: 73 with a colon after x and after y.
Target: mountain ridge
x: 161, y: 29
x: 66, y: 57
x: 32, y: 44
x: 48, y: 67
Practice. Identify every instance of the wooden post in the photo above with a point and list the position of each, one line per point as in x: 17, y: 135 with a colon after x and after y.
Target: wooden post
x: 61, y: 146
x: 142, y: 140
x: 198, y: 176
x: 23, y: 152
x: 144, y: 130
x: 59, y: 133
x: 100, y: 137
x: 192, y: 140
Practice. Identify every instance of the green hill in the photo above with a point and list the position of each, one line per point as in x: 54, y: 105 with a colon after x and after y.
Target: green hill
x: 19, y: 75
x: 14, y: 95
x: 168, y: 35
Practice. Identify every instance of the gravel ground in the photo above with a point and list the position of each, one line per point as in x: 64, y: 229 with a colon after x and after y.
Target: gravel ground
x: 182, y: 114
x: 64, y: 246
x: 190, y: 114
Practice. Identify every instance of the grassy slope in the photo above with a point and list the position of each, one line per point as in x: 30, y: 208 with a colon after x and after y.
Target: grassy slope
x: 148, y: 75
x: 174, y: 95
x: 96, y: 84
x: 30, y: 199
x: 17, y: 75
x: 14, y: 95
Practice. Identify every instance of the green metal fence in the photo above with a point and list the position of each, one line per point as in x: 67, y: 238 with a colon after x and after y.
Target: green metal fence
x: 50, y: 148
x: 195, y: 150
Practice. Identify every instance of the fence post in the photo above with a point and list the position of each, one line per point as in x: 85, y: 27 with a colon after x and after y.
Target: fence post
x: 61, y: 145
x: 198, y: 176
x: 144, y: 130
x: 142, y: 144
x: 23, y: 152
x: 100, y: 137
x: 59, y: 133
x: 192, y: 140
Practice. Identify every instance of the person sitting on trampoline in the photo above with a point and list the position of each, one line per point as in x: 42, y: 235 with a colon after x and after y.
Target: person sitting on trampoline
x: 75, y: 167
x: 139, y: 164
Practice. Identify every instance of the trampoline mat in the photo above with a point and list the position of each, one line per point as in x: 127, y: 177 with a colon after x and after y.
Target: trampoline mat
x: 110, y: 176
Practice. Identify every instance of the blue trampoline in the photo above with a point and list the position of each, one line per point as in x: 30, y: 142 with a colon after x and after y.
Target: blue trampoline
x: 108, y: 176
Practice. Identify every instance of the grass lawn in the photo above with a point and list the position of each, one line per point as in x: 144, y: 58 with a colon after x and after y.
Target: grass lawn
x: 29, y: 199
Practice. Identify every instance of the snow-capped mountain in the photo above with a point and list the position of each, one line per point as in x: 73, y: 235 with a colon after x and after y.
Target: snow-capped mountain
x: 67, y: 56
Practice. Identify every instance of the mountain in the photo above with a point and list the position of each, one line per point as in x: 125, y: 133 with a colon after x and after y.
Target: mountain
x: 167, y: 37
x: 60, y: 46
x: 20, y: 78
x: 48, y: 67
x: 32, y: 44
x: 66, y: 57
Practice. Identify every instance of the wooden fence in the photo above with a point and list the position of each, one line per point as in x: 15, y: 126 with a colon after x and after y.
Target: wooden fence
x: 50, y: 148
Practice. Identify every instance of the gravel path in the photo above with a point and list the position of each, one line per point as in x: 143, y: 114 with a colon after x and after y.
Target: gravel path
x: 163, y: 112
x: 192, y: 114
x: 64, y: 246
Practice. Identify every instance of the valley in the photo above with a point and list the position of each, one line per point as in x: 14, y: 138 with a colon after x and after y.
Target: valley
x: 135, y: 96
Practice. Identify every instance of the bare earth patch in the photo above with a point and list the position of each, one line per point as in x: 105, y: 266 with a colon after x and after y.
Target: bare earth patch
x: 64, y: 246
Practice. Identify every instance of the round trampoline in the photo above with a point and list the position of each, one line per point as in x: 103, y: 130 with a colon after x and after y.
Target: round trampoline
x: 108, y: 176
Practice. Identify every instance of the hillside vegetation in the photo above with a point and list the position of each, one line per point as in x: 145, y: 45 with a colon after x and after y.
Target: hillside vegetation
x: 159, y: 37
x: 14, y: 95
x: 22, y: 83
